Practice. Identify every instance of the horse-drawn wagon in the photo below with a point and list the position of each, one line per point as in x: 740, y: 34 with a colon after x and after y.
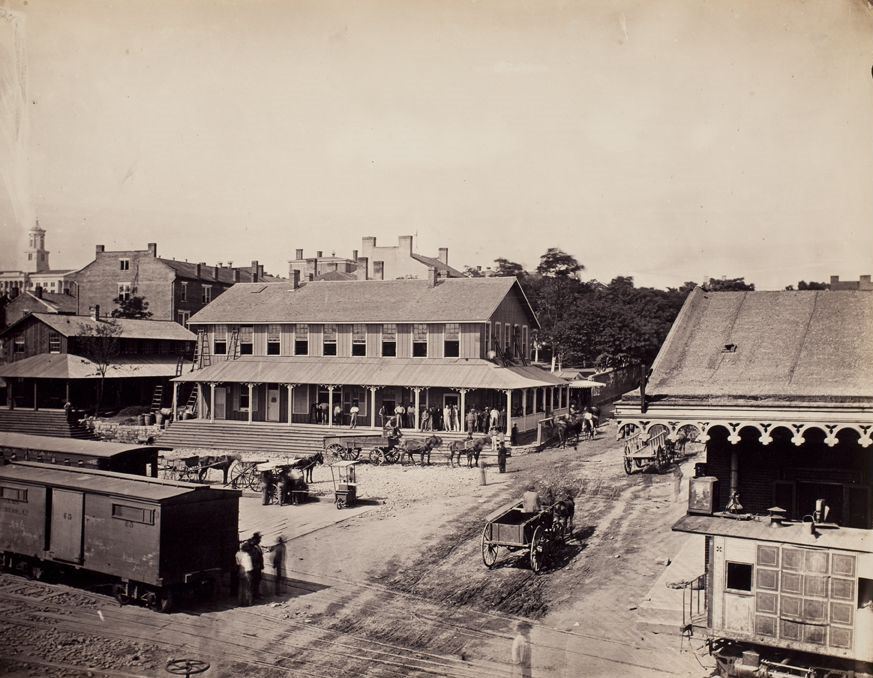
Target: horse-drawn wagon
x: 379, y: 448
x: 648, y: 451
x: 512, y: 528
x: 283, y: 482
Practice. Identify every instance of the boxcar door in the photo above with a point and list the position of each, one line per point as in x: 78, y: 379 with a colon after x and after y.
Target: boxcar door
x: 66, y: 527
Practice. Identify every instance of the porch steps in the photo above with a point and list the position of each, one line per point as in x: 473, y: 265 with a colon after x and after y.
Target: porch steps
x: 262, y: 437
x: 42, y: 423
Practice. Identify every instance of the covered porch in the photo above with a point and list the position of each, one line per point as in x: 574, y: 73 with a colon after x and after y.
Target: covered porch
x: 427, y: 395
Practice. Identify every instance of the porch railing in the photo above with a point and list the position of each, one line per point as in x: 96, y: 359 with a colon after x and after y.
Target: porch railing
x: 693, y: 604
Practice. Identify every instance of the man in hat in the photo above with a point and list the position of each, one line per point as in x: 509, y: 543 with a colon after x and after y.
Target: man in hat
x: 257, y: 556
x: 278, y: 560
x: 244, y: 574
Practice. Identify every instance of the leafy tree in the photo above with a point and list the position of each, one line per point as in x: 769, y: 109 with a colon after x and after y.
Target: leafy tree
x: 729, y: 285
x: 100, y: 344
x: 472, y: 272
x: 133, y: 307
x: 556, y: 263
x: 803, y: 285
x: 507, y: 267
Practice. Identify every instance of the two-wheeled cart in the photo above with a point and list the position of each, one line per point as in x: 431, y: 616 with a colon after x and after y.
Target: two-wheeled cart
x: 511, y: 528
x: 345, y: 483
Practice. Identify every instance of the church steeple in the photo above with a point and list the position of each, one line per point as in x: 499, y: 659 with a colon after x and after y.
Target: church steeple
x: 37, y: 256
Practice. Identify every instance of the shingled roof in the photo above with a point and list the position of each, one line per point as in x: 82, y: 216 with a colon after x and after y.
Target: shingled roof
x: 783, y: 346
x: 187, y: 269
x: 361, y: 301
x: 72, y: 325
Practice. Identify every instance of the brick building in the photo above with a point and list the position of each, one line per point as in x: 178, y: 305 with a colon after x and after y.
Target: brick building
x: 393, y: 262
x: 174, y: 290
x: 779, y: 386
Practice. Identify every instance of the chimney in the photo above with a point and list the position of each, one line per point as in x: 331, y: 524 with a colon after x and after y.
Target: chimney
x: 101, y: 249
x: 444, y: 255
x: 431, y: 276
x: 378, y: 270
x: 38, y: 291
x: 405, y: 244
x: 354, y: 255
x: 153, y: 249
x: 260, y: 271
x: 295, y: 279
x: 215, y: 272
x: 197, y: 269
x: 835, y: 279
x: 298, y: 255
x: 95, y: 312
x: 362, y: 268
x: 368, y: 241
x: 254, y: 270
x: 235, y: 275
x: 318, y: 254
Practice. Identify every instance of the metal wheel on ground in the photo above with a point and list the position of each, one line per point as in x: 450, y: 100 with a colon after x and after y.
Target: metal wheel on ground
x: 628, y: 465
x: 489, y: 550
x: 186, y: 667
x: 340, y: 502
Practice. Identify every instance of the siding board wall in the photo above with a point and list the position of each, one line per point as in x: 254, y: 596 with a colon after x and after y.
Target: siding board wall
x: 404, y: 341
x: 374, y: 340
x: 344, y: 340
x: 436, y: 333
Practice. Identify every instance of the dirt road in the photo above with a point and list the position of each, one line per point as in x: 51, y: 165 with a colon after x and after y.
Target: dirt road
x: 401, y: 591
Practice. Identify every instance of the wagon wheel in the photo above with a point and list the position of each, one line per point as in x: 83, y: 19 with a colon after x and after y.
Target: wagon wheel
x: 628, y: 465
x: 392, y: 456
x: 340, y: 502
x: 638, y: 462
x: 186, y: 667
x: 353, y: 453
x: 377, y: 456
x: 336, y: 451
x: 539, y: 547
x: 489, y: 550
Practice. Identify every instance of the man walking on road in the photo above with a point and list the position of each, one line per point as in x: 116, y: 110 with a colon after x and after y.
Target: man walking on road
x: 278, y: 561
x: 244, y: 569
x: 521, y: 660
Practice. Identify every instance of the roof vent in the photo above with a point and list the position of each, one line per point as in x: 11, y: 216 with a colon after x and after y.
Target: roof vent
x: 729, y: 348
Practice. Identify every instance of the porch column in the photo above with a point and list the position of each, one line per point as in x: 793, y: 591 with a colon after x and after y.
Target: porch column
x: 10, y: 397
x: 463, y: 393
x: 290, y: 388
x: 523, y: 402
x: 67, y: 390
x: 175, y: 400
x: 251, y: 404
x: 330, y: 405
x: 373, y: 406
x: 212, y: 401
x: 417, y: 391
x: 508, y: 411
x: 35, y: 395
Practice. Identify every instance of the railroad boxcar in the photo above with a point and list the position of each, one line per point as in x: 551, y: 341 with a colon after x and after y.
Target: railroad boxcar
x: 156, y: 538
x: 141, y: 460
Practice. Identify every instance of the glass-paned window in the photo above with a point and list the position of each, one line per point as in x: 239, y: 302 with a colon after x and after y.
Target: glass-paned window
x: 246, y: 340
x: 359, y: 340
x: 739, y: 577
x: 124, y: 264
x: 419, y: 340
x: 133, y: 514
x: 525, y: 349
x: 183, y: 293
x: 243, y: 398
x: 182, y: 317
x: 207, y: 294
x: 389, y: 340
x: 220, y: 342
x: 329, y: 340
x: 124, y: 291
x: 301, y: 340
x: 452, y: 345
x: 19, y: 344
x: 54, y: 342
x: 274, y: 339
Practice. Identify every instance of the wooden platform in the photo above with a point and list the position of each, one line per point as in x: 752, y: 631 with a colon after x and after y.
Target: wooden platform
x: 42, y: 423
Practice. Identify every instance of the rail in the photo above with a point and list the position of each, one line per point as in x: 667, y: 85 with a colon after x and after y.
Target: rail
x: 693, y: 603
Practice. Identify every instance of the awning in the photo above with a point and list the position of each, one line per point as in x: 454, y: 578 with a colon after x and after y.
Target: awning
x: 408, y: 372
x: 69, y: 366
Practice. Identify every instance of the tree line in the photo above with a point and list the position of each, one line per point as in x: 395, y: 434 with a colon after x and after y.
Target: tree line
x: 590, y: 323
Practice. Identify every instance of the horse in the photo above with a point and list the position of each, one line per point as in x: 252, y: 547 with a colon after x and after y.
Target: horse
x: 569, y: 426
x: 307, y: 464
x: 455, y: 449
x: 563, y: 511
x: 410, y: 446
x: 473, y: 447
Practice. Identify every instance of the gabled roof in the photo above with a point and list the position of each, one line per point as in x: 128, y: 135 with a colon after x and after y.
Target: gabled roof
x: 444, y: 269
x: 54, y: 303
x: 783, y: 346
x: 73, y: 325
x: 187, y: 269
x: 361, y: 301
x: 336, y: 275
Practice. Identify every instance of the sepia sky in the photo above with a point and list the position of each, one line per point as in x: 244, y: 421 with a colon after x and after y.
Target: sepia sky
x: 666, y: 140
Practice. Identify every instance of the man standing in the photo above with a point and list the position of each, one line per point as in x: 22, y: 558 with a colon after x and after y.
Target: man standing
x: 244, y: 568
x: 531, y: 500
x: 494, y: 417
x: 399, y: 412
x: 471, y: 419
x: 278, y: 561
x: 353, y: 414
x: 257, y: 563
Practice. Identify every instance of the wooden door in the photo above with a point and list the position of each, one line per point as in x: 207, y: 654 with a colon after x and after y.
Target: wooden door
x: 272, y: 403
x: 220, y: 402
x: 66, y: 526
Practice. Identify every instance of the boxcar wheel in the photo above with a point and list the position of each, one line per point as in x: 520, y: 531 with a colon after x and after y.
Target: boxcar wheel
x: 166, y: 601
x: 119, y: 592
x: 538, y: 550
x: 628, y: 466
x: 489, y: 550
